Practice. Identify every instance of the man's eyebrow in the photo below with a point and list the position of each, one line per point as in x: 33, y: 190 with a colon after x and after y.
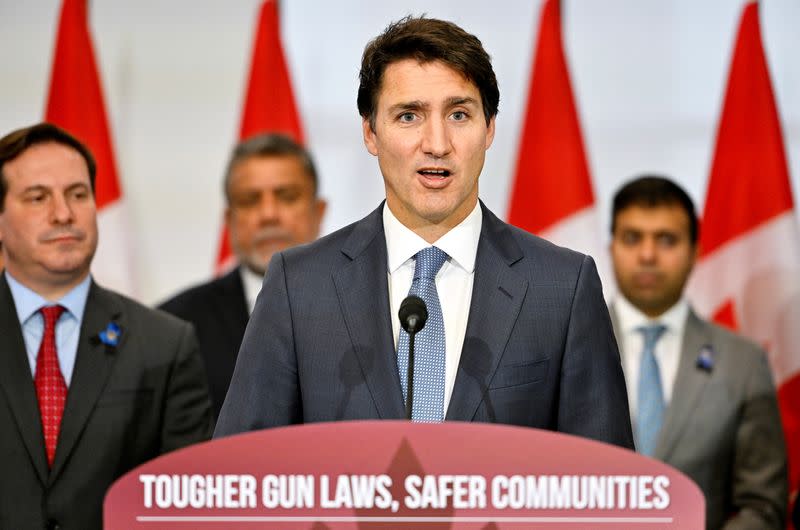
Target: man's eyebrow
x: 408, y: 105
x: 417, y: 104
x: 76, y: 185
x: 454, y: 101
x: 35, y: 188
x: 666, y: 232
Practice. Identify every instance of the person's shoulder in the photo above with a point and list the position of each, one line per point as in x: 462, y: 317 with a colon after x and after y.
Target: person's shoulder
x: 732, y: 342
x: 535, y: 249
x: 735, y: 358
x: 199, y: 295
x: 336, y: 246
x: 155, y: 322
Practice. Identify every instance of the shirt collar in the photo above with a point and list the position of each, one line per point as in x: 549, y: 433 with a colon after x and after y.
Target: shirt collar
x: 251, y: 281
x: 460, y: 243
x: 28, y: 302
x: 630, y: 318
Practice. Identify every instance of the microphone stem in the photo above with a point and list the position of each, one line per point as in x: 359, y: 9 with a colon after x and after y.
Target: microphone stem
x: 410, y: 392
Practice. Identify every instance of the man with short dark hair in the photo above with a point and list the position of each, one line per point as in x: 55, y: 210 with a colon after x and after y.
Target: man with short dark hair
x: 701, y: 398
x: 270, y: 188
x: 517, y: 330
x: 92, y: 384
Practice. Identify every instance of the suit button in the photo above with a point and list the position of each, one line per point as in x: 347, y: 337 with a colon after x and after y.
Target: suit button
x: 52, y: 525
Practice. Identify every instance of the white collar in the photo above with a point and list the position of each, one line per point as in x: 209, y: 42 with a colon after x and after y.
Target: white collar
x: 251, y: 282
x: 629, y: 317
x: 460, y: 243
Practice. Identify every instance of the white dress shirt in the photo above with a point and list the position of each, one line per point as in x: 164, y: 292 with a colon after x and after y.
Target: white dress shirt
x: 667, y: 350
x: 453, y: 282
x: 251, y: 282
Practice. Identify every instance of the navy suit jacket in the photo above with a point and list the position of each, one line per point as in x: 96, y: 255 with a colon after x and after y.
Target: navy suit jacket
x: 539, y: 350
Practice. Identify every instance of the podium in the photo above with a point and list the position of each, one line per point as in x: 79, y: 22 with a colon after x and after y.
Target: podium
x: 394, y: 474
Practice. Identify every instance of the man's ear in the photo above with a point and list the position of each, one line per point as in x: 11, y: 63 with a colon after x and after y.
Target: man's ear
x: 370, y: 140
x: 490, y: 132
x: 320, y: 206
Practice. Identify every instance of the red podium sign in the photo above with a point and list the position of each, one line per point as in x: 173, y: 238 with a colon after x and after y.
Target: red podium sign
x: 392, y: 474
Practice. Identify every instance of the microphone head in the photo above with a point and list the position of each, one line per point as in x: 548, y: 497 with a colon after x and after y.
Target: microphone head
x: 413, y: 314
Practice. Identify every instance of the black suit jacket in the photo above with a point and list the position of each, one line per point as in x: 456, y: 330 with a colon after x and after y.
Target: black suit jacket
x: 125, y: 405
x: 539, y: 350
x: 218, y: 310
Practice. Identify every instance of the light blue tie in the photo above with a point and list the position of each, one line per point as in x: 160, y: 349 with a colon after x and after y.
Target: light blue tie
x: 429, y: 344
x: 650, y: 406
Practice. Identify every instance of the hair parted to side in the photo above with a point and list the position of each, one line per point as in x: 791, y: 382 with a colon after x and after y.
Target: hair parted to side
x: 17, y: 142
x: 650, y: 191
x: 266, y: 145
x: 426, y: 40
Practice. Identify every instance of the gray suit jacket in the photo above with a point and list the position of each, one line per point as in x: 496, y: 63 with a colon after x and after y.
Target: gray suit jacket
x: 125, y: 405
x: 539, y: 350
x: 723, y: 429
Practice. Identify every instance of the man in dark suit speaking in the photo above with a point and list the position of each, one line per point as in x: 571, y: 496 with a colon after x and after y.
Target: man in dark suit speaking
x: 517, y: 332
x: 92, y: 384
x: 272, y: 204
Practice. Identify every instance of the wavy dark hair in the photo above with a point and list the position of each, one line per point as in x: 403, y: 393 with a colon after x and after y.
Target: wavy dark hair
x: 426, y: 40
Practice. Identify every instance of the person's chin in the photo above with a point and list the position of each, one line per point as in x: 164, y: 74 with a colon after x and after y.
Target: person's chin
x: 69, y: 269
x: 257, y: 265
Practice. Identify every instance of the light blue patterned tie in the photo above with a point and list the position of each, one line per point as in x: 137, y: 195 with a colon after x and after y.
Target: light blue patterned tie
x: 650, y: 406
x: 429, y: 344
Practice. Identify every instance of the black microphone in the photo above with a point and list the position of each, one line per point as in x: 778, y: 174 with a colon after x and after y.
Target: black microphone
x: 413, y: 315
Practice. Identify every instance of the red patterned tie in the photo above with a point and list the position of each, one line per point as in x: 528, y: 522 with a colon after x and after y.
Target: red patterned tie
x: 51, y: 389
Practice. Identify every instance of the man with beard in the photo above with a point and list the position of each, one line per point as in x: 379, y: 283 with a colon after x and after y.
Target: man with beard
x: 272, y: 204
x: 701, y: 398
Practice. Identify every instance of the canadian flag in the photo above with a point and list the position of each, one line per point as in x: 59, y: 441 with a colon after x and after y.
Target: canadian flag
x: 75, y: 103
x: 269, y: 104
x: 748, y: 277
x: 552, y: 193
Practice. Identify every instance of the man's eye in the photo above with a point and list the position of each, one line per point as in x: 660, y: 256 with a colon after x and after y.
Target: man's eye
x: 667, y: 240
x: 288, y: 195
x: 246, y: 201
x: 460, y: 115
x: 630, y: 238
x: 407, y: 117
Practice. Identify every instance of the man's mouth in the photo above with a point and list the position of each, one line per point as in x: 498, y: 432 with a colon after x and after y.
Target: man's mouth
x: 434, y: 173
x: 63, y: 237
x: 647, y: 279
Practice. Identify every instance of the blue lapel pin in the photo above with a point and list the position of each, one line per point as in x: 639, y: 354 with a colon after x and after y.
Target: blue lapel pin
x: 706, y: 358
x: 109, y: 336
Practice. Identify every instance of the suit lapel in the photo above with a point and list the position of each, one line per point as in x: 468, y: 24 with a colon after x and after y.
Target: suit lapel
x: 232, y: 301
x: 497, y: 295
x: 363, y: 290
x: 92, y: 367
x: 690, y: 382
x: 16, y: 381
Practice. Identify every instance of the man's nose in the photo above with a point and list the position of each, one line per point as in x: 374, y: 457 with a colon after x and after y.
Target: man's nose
x: 436, y: 138
x: 61, y: 212
x: 268, y: 208
x: 647, y: 250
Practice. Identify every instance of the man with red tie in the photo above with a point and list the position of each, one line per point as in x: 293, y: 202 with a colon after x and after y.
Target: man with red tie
x: 92, y: 383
